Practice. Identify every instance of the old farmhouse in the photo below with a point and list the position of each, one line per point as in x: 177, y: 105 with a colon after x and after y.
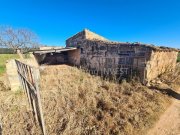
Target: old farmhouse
x: 94, y: 52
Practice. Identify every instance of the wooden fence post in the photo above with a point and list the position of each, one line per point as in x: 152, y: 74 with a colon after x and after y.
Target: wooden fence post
x: 29, y: 77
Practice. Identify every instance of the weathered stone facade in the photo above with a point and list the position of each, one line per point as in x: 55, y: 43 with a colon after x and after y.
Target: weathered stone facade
x: 160, y: 62
x: 102, y: 55
x: 13, y: 78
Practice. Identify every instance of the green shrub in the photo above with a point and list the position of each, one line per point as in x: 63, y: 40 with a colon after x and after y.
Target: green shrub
x: 178, y: 59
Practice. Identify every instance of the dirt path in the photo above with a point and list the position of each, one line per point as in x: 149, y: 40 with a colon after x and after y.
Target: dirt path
x: 169, y: 123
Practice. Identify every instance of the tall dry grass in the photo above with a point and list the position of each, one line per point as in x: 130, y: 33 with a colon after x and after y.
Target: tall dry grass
x: 77, y: 103
x: 15, y: 116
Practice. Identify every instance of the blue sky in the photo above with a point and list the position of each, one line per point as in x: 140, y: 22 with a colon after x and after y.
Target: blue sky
x: 147, y: 21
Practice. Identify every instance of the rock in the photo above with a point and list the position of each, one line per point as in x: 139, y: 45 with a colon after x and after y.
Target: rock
x: 136, y: 117
x: 158, y: 82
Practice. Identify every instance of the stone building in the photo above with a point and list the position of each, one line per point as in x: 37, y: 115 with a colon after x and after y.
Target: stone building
x: 100, y: 54
x: 96, y: 53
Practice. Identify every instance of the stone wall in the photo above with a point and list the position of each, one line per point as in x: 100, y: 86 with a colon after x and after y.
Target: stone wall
x: 93, y: 36
x: 74, y: 57
x: 13, y: 78
x: 78, y: 38
x: 39, y: 57
x: 146, y: 61
x: 160, y: 62
x: 113, y: 58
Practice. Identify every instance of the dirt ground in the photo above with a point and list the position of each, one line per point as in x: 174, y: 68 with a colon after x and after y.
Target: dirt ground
x: 169, y: 122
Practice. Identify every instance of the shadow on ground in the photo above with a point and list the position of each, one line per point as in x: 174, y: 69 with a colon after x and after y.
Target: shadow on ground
x: 167, y: 91
x: 0, y: 129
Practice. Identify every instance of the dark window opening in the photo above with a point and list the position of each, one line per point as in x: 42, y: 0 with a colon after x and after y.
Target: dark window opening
x: 82, y: 51
x: 55, y: 58
x: 93, y: 48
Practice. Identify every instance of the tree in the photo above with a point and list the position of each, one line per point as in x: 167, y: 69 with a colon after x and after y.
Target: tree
x: 20, y: 40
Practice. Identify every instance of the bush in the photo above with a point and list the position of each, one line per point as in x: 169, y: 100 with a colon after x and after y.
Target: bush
x: 178, y: 59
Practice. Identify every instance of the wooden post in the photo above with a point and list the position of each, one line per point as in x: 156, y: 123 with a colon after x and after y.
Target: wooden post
x: 37, y: 77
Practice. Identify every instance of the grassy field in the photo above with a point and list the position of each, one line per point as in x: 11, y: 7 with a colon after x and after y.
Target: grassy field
x: 3, y: 59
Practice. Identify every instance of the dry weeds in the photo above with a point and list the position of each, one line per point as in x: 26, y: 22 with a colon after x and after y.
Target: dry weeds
x: 76, y: 103
x: 15, y: 118
x: 172, y: 79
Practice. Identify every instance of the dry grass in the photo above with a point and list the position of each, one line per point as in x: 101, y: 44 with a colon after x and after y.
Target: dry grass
x: 15, y: 118
x: 172, y: 79
x: 77, y: 103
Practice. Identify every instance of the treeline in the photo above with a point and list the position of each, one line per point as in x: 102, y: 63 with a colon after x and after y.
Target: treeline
x: 12, y: 51
x: 6, y: 51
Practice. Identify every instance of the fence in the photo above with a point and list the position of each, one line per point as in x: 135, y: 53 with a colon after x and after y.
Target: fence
x: 29, y: 77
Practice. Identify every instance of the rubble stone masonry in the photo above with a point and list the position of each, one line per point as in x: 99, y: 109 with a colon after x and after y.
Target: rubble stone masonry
x: 97, y: 53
